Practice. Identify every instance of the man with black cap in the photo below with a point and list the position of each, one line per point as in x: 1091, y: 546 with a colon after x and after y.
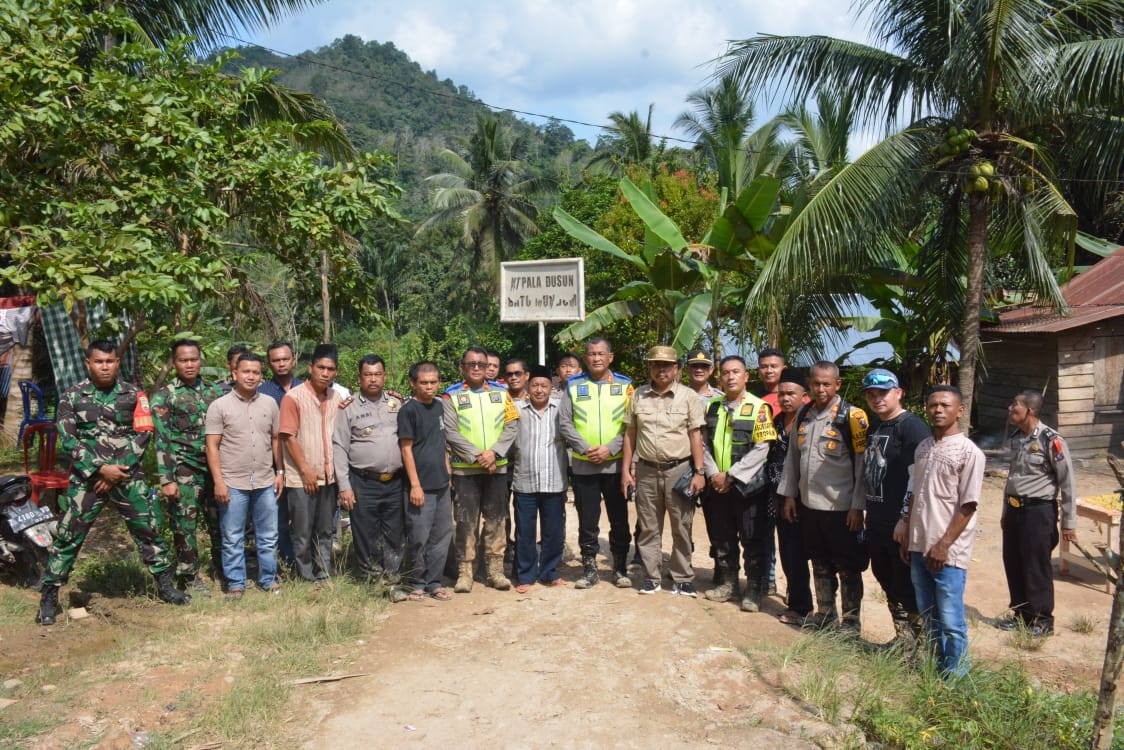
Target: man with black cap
x: 699, y: 369
x: 791, y: 395
x: 663, y: 432
x: 539, y: 463
x: 891, y: 441
x: 308, y: 420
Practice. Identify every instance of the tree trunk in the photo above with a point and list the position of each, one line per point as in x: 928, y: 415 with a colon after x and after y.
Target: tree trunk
x: 973, y: 300
x: 324, y: 303
x: 1114, y: 650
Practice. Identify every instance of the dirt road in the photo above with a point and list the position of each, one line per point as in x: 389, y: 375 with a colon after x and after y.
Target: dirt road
x: 606, y: 667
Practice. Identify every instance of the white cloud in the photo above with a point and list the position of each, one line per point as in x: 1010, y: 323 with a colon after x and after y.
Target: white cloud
x: 576, y: 59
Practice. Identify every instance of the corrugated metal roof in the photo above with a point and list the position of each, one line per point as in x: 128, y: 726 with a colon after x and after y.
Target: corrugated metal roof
x: 1096, y: 294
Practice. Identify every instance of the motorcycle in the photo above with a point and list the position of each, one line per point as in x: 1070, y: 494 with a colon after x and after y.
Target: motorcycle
x: 27, y: 531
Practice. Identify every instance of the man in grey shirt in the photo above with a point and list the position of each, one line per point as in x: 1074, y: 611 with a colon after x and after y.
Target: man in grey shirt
x: 824, y: 466
x: 244, y: 456
x: 368, y: 465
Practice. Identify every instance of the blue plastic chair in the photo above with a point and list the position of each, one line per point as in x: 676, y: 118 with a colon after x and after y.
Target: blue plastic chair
x: 28, y: 391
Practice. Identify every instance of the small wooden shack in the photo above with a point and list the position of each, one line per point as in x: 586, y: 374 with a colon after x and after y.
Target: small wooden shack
x: 1075, y: 360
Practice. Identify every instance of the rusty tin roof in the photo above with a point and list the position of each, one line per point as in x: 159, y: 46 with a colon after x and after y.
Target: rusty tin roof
x: 1096, y: 294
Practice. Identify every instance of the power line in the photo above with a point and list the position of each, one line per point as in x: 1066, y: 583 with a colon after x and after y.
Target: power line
x: 599, y: 126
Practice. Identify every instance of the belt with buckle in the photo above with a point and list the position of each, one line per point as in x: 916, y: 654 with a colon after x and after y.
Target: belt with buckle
x: 662, y: 465
x: 1016, y: 501
x: 381, y: 476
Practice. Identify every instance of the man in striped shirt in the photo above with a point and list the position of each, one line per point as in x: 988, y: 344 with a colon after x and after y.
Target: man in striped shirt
x: 539, y: 484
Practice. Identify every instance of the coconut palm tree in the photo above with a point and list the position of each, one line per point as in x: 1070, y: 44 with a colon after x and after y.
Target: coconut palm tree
x: 209, y: 21
x: 720, y: 121
x: 977, y: 98
x: 630, y: 143
x: 487, y: 193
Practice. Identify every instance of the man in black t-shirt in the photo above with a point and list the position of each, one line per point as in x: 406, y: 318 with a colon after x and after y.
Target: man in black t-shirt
x: 429, y: 506
x: 891, y: 441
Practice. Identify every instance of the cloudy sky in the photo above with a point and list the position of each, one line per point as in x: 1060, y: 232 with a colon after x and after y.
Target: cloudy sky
x: 571, y: 59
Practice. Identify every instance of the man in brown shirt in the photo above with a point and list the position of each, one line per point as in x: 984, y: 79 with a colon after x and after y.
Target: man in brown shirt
x: 242, y: 451
x: 662, y: 432
x: 308, y: 419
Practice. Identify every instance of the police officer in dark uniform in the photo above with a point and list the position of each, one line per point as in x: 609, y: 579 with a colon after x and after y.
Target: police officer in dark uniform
x: 1040, y: 471
x: 739, y: 435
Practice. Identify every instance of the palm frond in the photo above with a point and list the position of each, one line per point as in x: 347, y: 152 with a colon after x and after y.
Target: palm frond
x: 883, y: 84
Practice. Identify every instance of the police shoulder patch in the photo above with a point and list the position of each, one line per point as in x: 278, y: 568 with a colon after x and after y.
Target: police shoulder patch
x: 463, y: 401
x: 496, y: 397
x: 763, y: 416
x: 615, y: 389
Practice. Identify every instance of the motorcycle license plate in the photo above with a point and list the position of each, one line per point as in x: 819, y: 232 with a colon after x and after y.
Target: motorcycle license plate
x: 28, y: 515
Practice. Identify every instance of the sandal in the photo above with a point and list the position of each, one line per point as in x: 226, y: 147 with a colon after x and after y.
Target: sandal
x: 441, y: 595
x: 417, y: 595
x: 552, y: 583
x: 791, y: 617
x: 523, y: 588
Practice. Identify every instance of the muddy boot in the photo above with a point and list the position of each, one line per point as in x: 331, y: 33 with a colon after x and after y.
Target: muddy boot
x: 620, y: 572
x: 851, y: 597
x: 825, y: 615
x: 48, y: 605
x: 755, y: 589
x: 166, y: 592
x: 464, y: 578
x: 496, y: 578
x: 589, y: 573
x: 723, y: 587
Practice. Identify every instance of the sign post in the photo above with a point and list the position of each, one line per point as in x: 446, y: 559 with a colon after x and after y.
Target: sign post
x: 542, y: 291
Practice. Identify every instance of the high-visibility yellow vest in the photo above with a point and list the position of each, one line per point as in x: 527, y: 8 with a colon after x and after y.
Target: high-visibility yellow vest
x: 731, y: 436
x: 599, y: 408
x: 481, y: 416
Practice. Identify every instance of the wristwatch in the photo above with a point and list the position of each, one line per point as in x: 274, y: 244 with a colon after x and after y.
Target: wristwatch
x: 700, y: 472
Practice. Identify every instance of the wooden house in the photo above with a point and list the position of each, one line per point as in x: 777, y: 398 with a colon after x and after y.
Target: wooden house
x: 1075, y: 360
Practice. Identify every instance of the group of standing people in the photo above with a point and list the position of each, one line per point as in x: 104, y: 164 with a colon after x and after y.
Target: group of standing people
x: 785, y: 469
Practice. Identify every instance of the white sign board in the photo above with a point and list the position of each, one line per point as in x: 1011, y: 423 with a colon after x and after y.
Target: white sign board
x: 542, y: 291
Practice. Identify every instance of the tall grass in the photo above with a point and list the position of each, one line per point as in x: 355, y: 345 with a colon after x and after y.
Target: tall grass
x: 902, y: 702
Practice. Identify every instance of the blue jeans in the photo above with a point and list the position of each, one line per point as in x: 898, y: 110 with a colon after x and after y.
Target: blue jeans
x: 530, y: 508
x: 262, y: 503
x: 940, y: 600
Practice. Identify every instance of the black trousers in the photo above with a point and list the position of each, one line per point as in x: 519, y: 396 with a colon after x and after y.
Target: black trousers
x: 740, y: 524
x: 829, y: 542
x: 378, y: 525
x: 892, y: 574
x: 1030, y: 534
x: 794, y: 563
x: 588, y: 491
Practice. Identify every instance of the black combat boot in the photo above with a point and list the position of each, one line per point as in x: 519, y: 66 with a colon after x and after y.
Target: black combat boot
x: 48, y: 605
x: 825, y: 585
x: 166, y: 592
x: 620, y: 572
x: 589, y: 573
x: 851, y: 597
x: 723, y: 586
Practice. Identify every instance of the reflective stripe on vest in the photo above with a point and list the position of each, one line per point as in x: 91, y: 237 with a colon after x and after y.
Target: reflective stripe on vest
x: 599, y: 410
x: 731, y: 438
x: 480, y: 419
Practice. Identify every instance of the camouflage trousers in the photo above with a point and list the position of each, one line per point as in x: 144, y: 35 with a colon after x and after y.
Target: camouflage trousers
x: 142, y: 517
x: 197, y: 499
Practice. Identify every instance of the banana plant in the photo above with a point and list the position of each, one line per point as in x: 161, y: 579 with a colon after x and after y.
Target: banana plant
x: 688, y: 283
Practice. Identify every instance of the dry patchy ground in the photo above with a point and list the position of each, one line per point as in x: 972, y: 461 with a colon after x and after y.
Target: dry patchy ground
x: 550, y: 668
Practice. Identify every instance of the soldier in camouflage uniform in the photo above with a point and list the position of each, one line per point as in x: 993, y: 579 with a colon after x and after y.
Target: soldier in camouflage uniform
x: 105, y: 425
x: 178, y: 411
